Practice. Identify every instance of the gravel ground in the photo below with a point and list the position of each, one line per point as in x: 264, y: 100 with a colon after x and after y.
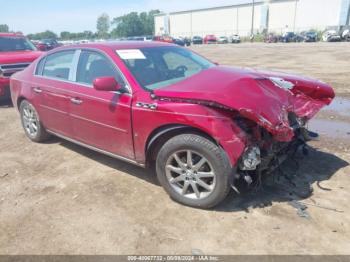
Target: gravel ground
x: 59, y: 198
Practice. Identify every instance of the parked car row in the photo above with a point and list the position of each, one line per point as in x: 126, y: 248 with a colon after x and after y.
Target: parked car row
x: 309, y: 36
x: 198, y: 40
x: 287, y: 37
x: 331, y: 36
x: 212, y: 39
x: 46, y: 44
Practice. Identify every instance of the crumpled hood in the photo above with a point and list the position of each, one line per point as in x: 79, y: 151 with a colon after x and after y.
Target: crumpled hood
x: 19, y: 57
x: 254, y: 95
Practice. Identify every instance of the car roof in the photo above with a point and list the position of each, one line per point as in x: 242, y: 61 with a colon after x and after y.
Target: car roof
x: 115, y: 45
x: 11, y: 35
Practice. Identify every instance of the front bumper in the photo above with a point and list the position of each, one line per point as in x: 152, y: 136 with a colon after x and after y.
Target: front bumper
x: 265, y: 153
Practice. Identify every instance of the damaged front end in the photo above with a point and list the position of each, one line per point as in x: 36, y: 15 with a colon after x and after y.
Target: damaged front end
x: 272, y: 109
x: 270, y: 145
x: 264, y: 153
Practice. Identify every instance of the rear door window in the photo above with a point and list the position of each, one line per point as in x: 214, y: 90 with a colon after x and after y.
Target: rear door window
x: 59, y: 65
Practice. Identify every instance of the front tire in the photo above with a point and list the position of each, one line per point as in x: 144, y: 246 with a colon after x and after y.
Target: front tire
x: 31, y: 123
x: 194, y: 171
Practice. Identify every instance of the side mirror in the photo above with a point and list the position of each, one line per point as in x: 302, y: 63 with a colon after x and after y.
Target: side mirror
x: 106, y: 83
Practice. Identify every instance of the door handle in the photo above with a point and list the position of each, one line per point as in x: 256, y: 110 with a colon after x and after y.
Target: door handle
x: 76, y: 101
x: 37, y: 90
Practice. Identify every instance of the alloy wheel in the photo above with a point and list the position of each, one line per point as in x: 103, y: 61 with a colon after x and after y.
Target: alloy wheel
x: 30, y: 120
x: 190, y: 174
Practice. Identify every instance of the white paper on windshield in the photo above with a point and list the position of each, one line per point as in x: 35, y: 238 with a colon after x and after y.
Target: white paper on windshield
x: 127, y: 54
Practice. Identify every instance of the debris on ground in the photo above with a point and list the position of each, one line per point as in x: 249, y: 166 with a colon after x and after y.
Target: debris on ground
x: 301, y: 208
x: 197, y: 252
x: 323, y: 188
x: 323, y: 207
x: 4, y: 175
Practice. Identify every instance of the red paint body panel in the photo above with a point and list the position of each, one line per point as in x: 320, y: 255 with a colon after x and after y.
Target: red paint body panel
x: 253, y: 96
x: 53, y: 104
x: 103, y: 120
x: 18, y: 57
x: 209, y: 120
x: 207, y: 102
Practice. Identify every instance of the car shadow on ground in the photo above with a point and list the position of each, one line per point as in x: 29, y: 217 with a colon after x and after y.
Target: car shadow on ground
x: 141, y: 173
x: 5, y: 104
x: 292, y: 182
x: 302, y: 172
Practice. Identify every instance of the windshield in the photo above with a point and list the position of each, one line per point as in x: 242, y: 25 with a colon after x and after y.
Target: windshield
x: 8, y: 44
x: 157, y: 67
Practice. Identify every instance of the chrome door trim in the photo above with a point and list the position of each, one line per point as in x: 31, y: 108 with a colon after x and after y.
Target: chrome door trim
x: 131, y: 161
x: 76, y: 101
x: 37, y: 90
x: 74, y: 67
x: 98, y: 123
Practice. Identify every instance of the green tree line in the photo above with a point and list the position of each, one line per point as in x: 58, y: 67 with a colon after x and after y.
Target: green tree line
x: 132, y: 24
x: 4, y: 28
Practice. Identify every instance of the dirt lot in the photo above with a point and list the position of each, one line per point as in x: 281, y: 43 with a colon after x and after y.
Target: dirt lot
x: 59, y: 198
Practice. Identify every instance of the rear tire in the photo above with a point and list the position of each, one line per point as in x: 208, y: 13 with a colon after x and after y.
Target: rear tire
x: 31, y: 123
x: 194, y: 171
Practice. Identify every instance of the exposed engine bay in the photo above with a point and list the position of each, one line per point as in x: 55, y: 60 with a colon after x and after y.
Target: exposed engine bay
x: 264, y: 154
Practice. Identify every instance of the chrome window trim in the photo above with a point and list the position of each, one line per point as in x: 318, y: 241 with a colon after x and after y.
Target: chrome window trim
x: 56, y: 79
x: 75, y: 62
x: 21, y: 63
x: 72, y: 91
x: 127, y: 84
x: 36, y: 67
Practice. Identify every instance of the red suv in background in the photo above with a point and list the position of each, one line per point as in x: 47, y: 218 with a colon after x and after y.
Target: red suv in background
x: 16, y: 53
x: 210, y: 39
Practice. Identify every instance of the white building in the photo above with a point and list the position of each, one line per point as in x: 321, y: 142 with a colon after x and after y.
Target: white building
x: 270, y: 15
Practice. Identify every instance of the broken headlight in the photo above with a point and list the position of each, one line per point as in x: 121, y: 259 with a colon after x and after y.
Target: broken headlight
x: 250, y: 159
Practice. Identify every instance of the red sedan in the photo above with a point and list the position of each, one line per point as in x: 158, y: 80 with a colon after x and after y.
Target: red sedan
x: 210, y: 39
x: 201, y: 126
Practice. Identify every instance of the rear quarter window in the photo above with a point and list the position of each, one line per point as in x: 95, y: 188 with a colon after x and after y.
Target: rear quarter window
x: 40, y: 67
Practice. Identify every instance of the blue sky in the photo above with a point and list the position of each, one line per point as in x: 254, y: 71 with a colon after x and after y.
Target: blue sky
x: 31, y: 16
